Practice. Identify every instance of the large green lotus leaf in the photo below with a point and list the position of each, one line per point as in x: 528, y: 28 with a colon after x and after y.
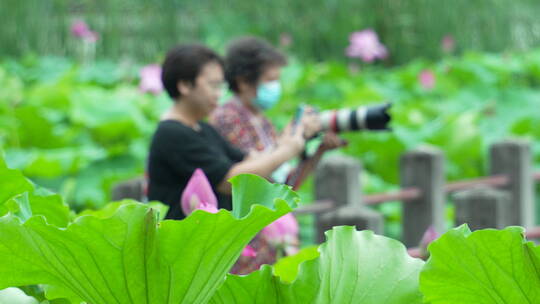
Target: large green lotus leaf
x: 103, y: 73
x: 53, y: 163
x: 12, y: 183
x: 131, y: 257
x: 249, y: 190
x: 51, y: 206
x: 53, y: 96
x: 48, y: 69
x: 110, y: 209
x: 108, y: 114
x: 353, y: 267
x: 34, y: 129
x: 17, y: 195
x: 483, y: 267
x: 287, y: 268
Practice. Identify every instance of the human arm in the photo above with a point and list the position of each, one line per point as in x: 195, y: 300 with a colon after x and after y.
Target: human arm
x: 290, y: 145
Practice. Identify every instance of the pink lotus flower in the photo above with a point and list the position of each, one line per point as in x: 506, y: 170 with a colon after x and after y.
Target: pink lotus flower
x: 207, y: 207
x: 365, y: 45
x: 151, y: 79
x: 249, y: 252
x: 81, y: 30
x: 427, y: 79
x: 198, y: 194
x: 429, y: 236
x: 448, y: 44
x: 283, y: 232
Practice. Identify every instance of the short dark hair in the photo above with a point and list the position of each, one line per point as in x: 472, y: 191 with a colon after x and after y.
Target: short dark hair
x: 247, y: 57
x: 184, y: 63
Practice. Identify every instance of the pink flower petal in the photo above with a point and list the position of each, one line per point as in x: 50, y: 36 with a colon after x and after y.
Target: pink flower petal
x: 79, y: 29
x: 151, y: 79
x: 427, y: 79
x: 207, y: 207
x: 283, y: 231
x: 249, y: 252
x: 429, y: 236
x: 366, y: 46
x: 198, y: 194
x: 448, y: 44
x: 291, y: 249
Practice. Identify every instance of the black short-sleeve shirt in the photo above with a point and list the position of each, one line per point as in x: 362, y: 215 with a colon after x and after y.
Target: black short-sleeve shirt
x: 176, y: 151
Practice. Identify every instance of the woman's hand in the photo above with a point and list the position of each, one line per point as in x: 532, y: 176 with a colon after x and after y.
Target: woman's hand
x: 311, y: 122
x: 292, y: 139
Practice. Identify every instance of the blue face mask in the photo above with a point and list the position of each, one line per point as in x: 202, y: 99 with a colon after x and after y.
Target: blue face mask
x: 268, y: 95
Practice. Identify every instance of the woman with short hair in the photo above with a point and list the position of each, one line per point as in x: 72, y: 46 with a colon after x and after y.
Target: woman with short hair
x: 193, y: 76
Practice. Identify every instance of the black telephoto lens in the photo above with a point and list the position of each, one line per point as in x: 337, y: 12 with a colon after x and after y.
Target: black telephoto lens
x: 362, y: 118
x: 377, y: 117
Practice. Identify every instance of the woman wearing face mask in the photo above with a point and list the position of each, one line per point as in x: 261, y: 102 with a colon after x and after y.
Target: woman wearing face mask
x: 252, y: 70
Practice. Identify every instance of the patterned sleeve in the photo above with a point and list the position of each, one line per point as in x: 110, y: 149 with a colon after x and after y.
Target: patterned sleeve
x: 232, y: 127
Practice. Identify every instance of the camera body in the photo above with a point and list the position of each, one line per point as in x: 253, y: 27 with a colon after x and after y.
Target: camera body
x: 362, y: 118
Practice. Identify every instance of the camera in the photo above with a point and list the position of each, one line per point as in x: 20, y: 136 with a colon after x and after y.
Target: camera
x: 362, y: 118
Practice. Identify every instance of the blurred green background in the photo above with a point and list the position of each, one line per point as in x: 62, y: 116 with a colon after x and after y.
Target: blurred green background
x: 142, y: 30
x: 73, y: 118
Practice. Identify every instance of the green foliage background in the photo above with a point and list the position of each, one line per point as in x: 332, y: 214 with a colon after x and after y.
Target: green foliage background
x: 141, y: 30
x: 79, y: 128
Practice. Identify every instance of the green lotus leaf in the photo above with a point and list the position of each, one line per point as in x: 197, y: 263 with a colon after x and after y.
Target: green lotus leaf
x: 485, y: 266
x: 353, y: 267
